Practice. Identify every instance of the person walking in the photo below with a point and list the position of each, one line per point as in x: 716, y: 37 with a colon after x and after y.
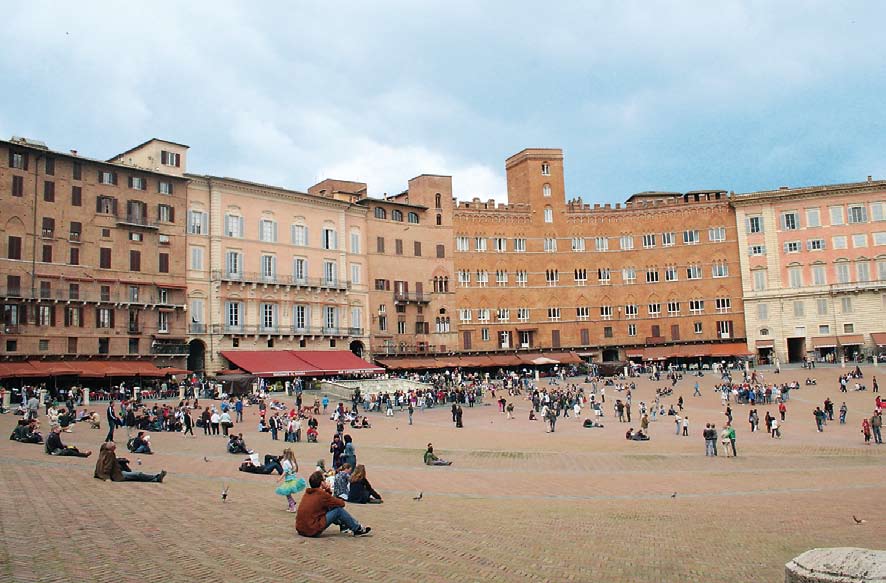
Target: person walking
x: 238, y: 409
x: 187, y: 422
x: 843, y: 410
x: 409, y: 411
x: 697, y: 392
x: 113, y: 421
x: 686, y: 426
x: 782, y: 410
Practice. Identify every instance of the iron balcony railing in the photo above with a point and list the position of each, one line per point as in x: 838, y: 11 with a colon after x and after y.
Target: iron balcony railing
x: 277, y: 279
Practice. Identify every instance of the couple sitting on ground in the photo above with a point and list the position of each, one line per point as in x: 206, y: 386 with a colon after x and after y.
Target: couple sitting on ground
x: 26, y: 432
x: 636, y: 435
x: 236, y: 444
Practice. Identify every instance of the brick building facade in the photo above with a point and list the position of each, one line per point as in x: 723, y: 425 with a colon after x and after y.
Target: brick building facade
x: 544, y: 272
x: 91, y: 254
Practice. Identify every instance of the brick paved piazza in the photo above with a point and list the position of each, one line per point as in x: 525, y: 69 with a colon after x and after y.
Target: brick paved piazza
x: 518, y: 504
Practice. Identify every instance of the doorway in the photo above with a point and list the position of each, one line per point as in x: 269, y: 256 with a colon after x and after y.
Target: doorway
x: 796, y: 349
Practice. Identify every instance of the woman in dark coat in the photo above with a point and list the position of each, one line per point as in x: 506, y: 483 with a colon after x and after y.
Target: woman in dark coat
x: 361, y: 490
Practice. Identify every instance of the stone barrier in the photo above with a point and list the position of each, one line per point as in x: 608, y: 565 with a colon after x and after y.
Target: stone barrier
x: 837, y: 565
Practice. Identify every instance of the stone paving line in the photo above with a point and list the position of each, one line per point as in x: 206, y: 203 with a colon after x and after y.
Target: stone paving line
x: 524, y: 506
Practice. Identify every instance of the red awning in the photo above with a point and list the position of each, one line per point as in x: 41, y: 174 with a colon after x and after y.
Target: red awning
x: 824, y: 342
x: 506, y: 360
x: 55, y: 369
x: 17, y: 370
x: 731, y: 349
x: 337, y: 362
x: 851, y: 339
x: 765, y: 343
x: 565, y: 357
x: 879, y: 338
x: 475, y: 362
x: 285, y: 363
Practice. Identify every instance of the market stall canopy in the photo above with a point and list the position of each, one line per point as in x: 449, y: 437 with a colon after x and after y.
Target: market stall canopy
x: 84, y: 368
x: 879, y: 338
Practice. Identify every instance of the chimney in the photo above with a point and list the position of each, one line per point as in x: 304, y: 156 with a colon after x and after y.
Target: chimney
x: 74, y: 152
x: 869, y: 178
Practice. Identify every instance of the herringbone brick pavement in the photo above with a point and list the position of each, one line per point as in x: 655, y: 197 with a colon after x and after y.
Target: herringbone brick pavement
x: 517, y: 505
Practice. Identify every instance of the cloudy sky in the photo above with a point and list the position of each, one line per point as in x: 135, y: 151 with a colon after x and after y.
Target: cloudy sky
x: 640, y: 95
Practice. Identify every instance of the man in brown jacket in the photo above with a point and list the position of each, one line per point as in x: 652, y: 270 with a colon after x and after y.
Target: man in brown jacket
x: 108, y: 468
x: 319, y: 508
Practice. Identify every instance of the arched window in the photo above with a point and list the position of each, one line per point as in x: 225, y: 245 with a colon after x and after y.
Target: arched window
x: 412, y: 218
x: 764, y: 331
x: 549, y: 214
x: 438, y: 200
x: 439, y: 220
x: 380, y: 213
x: 546, y: 190
x: 397, y: 215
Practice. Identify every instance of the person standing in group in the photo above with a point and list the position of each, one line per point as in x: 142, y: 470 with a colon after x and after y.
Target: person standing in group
x: 113, y: 421
x: 238, y: 408
x: 214, y: 420
x: 349, y: 454
x: 782, y: 410
x: 325, y: 403
x: 685, y: 425
x: 730, y: 433
x: 876, y: 426
x: 458, y: 417
x: 336, y: 448
x: 678, y: 424
x: 292, y: 484
x: 410, y: 410
x: 876, y: 387
x: 866, y: 430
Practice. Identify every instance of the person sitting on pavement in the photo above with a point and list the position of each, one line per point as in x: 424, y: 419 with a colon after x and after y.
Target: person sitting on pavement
x: 589, y: 423
x: 54, y: 445
x: 141, y: 444
x: 433, y: 460
x: 237, y: 445
x: 109, y: 467
x: 341, y: 485
x: 361, y: 491
x: 26, y: 432
x: 319, y: 509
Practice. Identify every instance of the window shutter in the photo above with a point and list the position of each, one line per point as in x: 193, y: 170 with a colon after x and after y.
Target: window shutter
x: 98, y: 204
x: 240, y: 223
x: 112, y: 310
x: 114, y: 178
x: 25, y: 156
x: 178, y: 160
x: 52, y: 315
x: 292, y: 234
x: 68, y: 317
x: 11, y: 156
x: 307, y: 316
x: 80, y: 313
x: 114, y: 206
x: 274, y: 230
x: 171, y: 188
x: 129, y: 179
x: 98, y: 318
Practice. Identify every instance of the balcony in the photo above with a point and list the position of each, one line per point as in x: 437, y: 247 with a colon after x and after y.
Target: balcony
x: 137, y: 221
x: 134, y: 328
x: 287, y: 280
x: 169, y: 349
x: 11, y: 328
x: 196, y: 328
x: 74, y: 237
x: 146, y: 299
x: 858, y: 286
x: 48, y: 233
x: 412, y: 297
x: 251, y: 330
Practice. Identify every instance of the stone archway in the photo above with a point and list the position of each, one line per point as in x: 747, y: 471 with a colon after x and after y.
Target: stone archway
x: 610, y: 355
x: 357, y: 348
x: 196, y: 356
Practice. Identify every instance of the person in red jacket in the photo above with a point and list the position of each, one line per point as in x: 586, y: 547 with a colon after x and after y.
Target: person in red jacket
x: 319, y: 508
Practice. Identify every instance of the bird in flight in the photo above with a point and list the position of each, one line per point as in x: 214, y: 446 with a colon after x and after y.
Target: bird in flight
x: 858, y: 520
x: 225, y: 494
x: 420, y: 494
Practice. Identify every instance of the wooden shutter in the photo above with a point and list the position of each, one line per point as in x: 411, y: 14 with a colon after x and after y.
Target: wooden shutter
x: 164, y: 263
x: 114, y: 178
x: 112, y: 310
x: 466, y: 340
x: 52, y: 316
x: 129, y: 180
x: 555, y: 339
x: 68, y: 316
x: 98, y: 204
x: 80, y: 313
x: 25, y: 157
